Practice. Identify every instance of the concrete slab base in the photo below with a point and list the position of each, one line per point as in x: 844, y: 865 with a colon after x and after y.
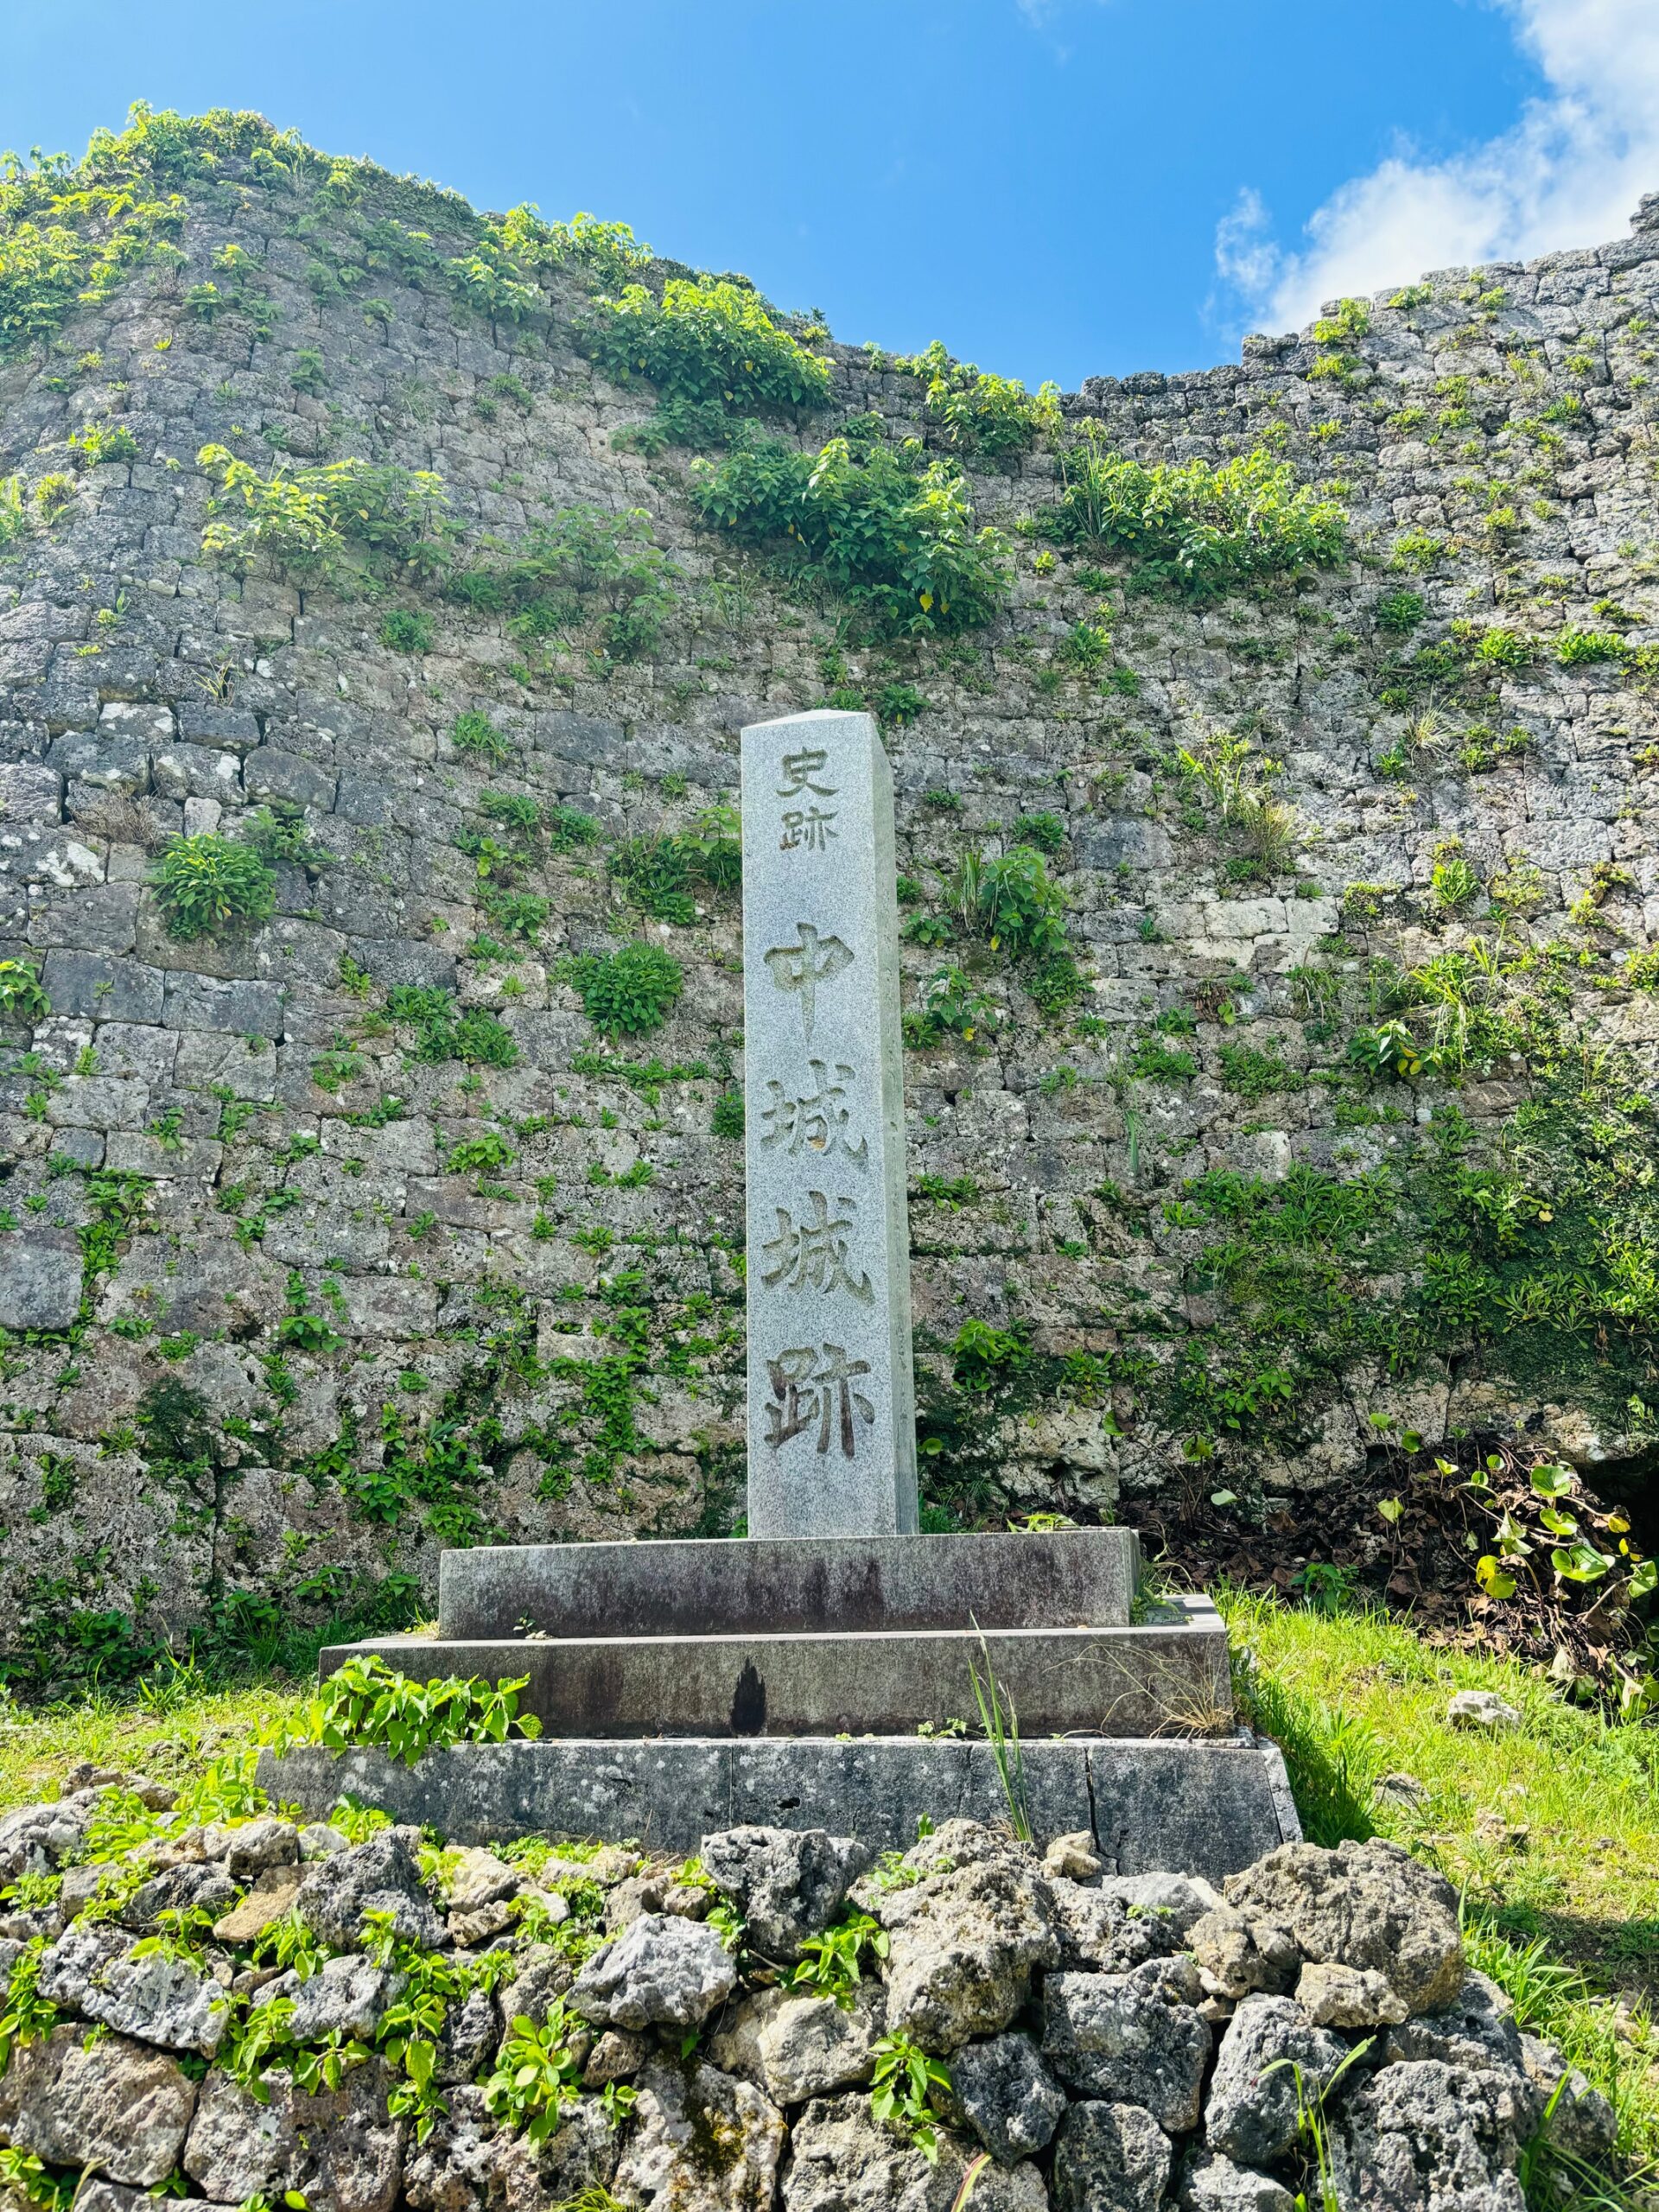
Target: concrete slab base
x: 1168, y: 1674
x: 1063, y: 1577
x: 1166, y: 1805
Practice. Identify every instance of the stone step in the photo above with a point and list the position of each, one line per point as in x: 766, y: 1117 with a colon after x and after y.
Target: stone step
x: 1164, y: 1806
x: 1169, y: 1674
x: 1068, y: 1578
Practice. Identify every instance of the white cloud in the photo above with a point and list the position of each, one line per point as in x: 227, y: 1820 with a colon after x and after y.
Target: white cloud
x: 1039, y: 14
x: 1245, y: 252
x: 1568, y: 172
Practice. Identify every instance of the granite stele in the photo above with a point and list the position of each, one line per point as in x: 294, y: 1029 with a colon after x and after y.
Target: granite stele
x: 783, y: 1678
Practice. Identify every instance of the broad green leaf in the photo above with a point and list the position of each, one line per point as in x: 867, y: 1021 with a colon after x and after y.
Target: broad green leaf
x: 1492, y: 1578
x: 1582, y: 1563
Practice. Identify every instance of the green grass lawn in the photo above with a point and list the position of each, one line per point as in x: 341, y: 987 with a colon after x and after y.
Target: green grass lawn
x: 1550, y: 1830
x: 196, y: 1722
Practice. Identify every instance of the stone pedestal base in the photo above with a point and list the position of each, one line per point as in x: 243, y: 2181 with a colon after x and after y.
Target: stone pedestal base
x: 1064, y: 1578
x: 1166, y: 1806
x: 1168, y: 1674
x: 803, y: 1682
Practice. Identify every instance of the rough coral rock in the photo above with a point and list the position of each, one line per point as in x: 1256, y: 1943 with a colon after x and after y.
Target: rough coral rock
x: 1110, y: 2158
x: 1177, y: 1900
x: 1075, y: 1857
x: 1476, y: 2031
x: 380, y: 1875
x: 787, y: 1883
x: 191, y: 1886
x: 247, y: 1849
x: 344, y: 1997
x: 1577, y: 2119
x: 338, y: 2148
x: 115, y: 2105
x: 1364, y: 1904
x: 33, y: 1839
x: 473, y: 1876
x: 469, y: 2035
x: 1425, y: 2137
x: 801, y: 2046
x: 660, y: 1971
x: 842, y: 2161
x: 1003, y: 2093
x: 1349, y: 1997
x: 1482, y: 1709
x: 1254, y: 2101
x: 618, y: 2054
x: 1108, y: 1933
x: 702, y: 2141
x: 1243, y: 1953
x: 159, y: 1999
x: 1115, y: 2036
x: 1214, y: 2183
x: 544, y: 1975
x: 468, y: 2164
x: 270, y: 1900
x: 966, y: 1938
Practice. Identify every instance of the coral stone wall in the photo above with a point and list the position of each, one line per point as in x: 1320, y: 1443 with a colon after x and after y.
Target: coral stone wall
x: 1210, y: 1225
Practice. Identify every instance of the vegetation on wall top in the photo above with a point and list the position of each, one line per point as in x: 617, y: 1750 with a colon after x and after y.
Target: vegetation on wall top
x: 981, y: 412
x: 891, y: 531
x: 706, y: 339
x: 1197, y: 526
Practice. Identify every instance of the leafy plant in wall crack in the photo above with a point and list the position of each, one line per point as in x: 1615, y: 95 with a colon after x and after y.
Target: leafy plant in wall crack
x: 831, y: 1964
x: 536, y: 2076
x: 1250, y: 1073
x: 342, y: 521
x: 1010, y: 900
x: 903, y: 2089
x: 405, y: 630
x: 26, y: 2017
x: 207, y: 884
x: 631, y: 992
x: 952, y: 1004
x: 278, y: 831
x: 95, y: 443
x: 1455, y: 882
x: 663, y: 874
x: 475, y: 734
x: 21, y: 998
x: 442, y: 1033
x: 1238, y: 783
x: 586, y: 567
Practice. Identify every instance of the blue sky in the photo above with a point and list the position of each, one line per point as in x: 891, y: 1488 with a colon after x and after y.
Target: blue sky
x: 1055, y: 187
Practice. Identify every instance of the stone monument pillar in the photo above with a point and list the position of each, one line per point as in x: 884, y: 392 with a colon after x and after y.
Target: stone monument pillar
x: 832, y: 1428
x: 699, y: 1684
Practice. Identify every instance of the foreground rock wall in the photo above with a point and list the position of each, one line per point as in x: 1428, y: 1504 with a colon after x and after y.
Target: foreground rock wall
x: 270, y: 1347
x: 775, y: 2019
